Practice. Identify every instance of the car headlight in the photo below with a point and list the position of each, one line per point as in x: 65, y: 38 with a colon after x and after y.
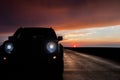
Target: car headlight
x: 9, y: 47
x: 51, y: 47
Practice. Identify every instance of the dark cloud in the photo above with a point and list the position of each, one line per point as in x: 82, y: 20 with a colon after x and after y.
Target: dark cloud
x: 16, y: 13
x: 56, y: 3
x: 63, y: 13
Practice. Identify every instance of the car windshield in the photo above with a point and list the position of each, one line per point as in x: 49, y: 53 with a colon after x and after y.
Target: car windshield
x: 36, y: 32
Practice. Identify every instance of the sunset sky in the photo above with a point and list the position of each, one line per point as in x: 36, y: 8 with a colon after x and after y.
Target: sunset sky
x: 80, y: 22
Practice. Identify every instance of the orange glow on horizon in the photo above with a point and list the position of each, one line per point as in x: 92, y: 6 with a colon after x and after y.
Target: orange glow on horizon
x: 74, y: 46
x: 101, y: 35
x: 78, y: 25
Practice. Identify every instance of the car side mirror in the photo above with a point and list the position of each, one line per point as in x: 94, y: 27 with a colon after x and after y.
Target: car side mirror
x: 10, y: 37
x: 60, y: 38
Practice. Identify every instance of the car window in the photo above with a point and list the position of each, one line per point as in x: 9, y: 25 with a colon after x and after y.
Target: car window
x: 35, y: 33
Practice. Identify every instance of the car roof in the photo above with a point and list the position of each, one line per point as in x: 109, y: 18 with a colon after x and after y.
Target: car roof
x: 35, y: 30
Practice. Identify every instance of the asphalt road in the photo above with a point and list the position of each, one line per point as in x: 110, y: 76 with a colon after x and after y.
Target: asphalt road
x: 79, y: 66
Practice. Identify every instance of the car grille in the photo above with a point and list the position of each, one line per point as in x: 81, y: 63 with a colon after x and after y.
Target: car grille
x: 34, y: 48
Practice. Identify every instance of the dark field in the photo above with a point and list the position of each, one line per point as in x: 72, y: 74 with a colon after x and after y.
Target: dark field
x: 112, y: 54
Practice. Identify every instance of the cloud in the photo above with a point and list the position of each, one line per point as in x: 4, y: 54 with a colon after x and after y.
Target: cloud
x: 60, y: 14
x: 92, y: 35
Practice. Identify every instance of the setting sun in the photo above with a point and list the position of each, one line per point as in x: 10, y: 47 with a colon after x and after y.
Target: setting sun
x: 74, y: 46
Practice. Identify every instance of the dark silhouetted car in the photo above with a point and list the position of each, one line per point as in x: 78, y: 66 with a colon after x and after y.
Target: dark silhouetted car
x: 33, y: 49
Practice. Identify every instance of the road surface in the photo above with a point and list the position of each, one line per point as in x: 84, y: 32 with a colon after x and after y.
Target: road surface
x: 79, y: 66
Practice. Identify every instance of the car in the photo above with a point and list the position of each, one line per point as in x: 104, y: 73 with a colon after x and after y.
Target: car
x: 33, y: 49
